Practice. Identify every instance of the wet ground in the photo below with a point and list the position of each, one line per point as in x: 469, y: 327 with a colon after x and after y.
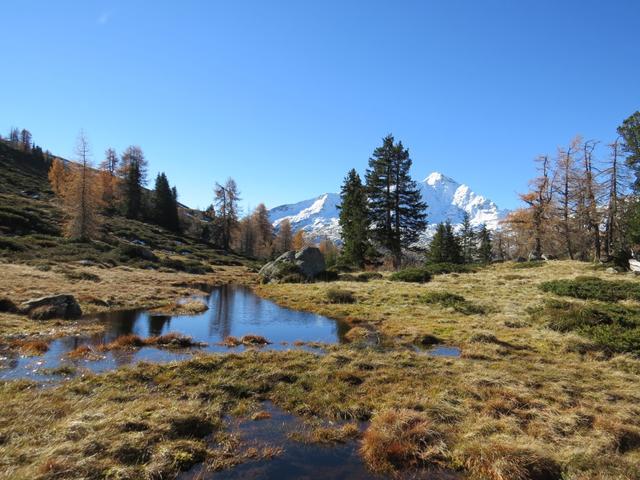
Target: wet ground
x: 297, y: 459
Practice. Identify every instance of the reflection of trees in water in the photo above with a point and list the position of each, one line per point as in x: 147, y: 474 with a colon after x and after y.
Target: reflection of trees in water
x: 342, y: 328
x: 221, y: 318
x: 157, y: 324
x: 122, y: 323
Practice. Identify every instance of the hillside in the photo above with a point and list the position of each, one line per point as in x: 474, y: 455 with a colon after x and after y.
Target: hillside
x: 447, y: 200
x: 31, y: 226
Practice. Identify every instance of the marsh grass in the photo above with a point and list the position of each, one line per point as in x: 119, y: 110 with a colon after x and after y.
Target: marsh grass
x: 454, y: 301
x: 337, y: 295
x: 612, y: 327
x: 594, y: 288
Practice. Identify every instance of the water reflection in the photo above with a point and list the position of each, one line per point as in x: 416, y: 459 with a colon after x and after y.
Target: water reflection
x: 233, y: 310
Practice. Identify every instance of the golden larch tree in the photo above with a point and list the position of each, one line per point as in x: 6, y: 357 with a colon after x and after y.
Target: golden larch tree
x: 82, y: 196
x: 58, y: 177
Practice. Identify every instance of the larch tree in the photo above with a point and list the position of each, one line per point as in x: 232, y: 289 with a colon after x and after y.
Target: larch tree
x: 590, y: 191
x: 58, y: 177
x: 397, y: 212
x: 227, y: 197
x: 299, y: 240
x: 539, y: 200
x: 284, y: 238
x: 133, y: 175
x: 108, y: 179
x: 616, y: 185
x: 264, y: 229
x: 82, y: 196
x: 564, y: 188
x: 354, y: 220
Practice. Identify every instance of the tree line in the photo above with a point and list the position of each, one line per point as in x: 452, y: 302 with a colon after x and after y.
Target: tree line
x: 584, y: 203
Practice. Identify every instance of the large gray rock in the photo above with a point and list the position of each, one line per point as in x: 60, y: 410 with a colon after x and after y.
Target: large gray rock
x: 53, y: 306
x: 634, y: 265
x: 308, y: 262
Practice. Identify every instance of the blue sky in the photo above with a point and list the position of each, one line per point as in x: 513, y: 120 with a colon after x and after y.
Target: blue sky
x: 286, y: 96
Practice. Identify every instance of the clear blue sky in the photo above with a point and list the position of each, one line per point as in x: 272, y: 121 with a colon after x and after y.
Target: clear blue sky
x: 286, y: 96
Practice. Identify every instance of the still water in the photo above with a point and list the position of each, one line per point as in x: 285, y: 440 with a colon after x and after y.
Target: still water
x: 233, y: 311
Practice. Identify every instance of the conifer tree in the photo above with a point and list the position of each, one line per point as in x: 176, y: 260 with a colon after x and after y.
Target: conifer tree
x: 58, y: 177
x: 467, y: 239
x: 299, y: 240
x: 445, y: 246
x: 354, y: 220
x: 630, y: 133
x: 133, y: 171
x: 284, y: 239
x: 81, y: 197
x: 397, y: 212
x: 165, y: 205
x: 485, y: 245
x: 108, y: 170
x: 227, y: 197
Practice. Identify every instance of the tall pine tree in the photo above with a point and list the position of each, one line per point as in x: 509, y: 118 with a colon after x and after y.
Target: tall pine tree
x: 165, y: 204
x: 133, y: 170
x: 354, y: 220
x: 396, y: 210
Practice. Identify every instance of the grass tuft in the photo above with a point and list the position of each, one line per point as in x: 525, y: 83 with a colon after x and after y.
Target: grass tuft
x: 400, y: 438
x: 337, y: 295
x: 594, y: 288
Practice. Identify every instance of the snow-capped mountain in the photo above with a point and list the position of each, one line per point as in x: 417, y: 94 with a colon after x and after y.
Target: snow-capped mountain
x: 446, y: 200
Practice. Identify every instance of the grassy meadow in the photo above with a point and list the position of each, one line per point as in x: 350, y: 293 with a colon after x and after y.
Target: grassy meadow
x: 525, y: 400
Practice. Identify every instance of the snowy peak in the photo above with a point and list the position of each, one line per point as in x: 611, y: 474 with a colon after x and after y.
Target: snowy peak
x: 446, y: 200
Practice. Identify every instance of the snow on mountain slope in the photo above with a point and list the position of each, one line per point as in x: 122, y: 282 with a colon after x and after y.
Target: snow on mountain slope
x: 446, y: 200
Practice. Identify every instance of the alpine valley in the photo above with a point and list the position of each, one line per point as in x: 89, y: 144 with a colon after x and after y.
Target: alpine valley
x: 446, y: 200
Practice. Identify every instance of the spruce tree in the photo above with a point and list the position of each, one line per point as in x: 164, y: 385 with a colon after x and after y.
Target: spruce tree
x: 133, y: 170
x: 467, y: 239
x: 630, y: 133
x: 396, y: 210
x: 165, y: 205
x: 354, y: 221
x: 485, y: 246
x: 445, y: 246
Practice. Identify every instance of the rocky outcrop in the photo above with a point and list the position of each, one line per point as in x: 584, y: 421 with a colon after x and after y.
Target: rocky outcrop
x: 308, y: 263
x: 55, y: 306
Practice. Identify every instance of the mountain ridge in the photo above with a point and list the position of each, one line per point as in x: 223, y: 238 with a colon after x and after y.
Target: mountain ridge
x: 446, y: 199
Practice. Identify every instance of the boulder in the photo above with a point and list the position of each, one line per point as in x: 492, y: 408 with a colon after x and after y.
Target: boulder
x: 634, y: 265
x: 611, y: 270
x: 53, y: 306
x: 308, y: 262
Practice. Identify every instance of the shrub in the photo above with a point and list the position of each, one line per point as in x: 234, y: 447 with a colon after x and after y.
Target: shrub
x: 416, y: 275
x: 293, y: 278
x: 399, y: 438
x: 366, y: 276
x: 594, y: 288
x: 337, y: 295
x: 614, y: 328
x: 129, y: 251
x: 452, y: 300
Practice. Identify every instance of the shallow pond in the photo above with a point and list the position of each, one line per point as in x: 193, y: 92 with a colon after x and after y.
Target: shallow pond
x: 299, y: 460
x: 233, y: 311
